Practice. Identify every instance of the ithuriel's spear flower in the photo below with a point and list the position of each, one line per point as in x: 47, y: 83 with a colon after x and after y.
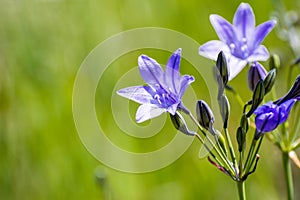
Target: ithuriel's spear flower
x: 240, y: 41
x: 272, y: 114
x: 164, y: 90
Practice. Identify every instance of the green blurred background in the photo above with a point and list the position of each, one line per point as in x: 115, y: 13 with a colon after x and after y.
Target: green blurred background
x: 42, y: 45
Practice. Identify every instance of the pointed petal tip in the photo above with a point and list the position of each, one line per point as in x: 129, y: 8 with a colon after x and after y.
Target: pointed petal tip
x: 274, y: 22
x: 212, y: 17
x: 118, y: 92
x: 271, y: 23
x: 121, y: 92
x: 244, y: 5
x: 191, y: 79
x: 178, y: 51
x: 142, y: 58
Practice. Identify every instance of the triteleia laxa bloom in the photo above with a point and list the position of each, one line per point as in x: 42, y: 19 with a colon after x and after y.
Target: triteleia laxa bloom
x: 272, y: 114
x: 240, y: 41
x: 164, y: 90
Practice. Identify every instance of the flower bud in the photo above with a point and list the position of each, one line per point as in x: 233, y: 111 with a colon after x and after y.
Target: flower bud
x: 221, y: 140
x: 221, y: 86
x: 224, y: 109
x: 258, y: 96
x: 269, y: 80
x: 274, y: 62
x: 244, y: 123
x: 241, y: 138
x: 270, y: 115
x: 222, y: 67
x: 180, y: 124
x: 256, y: 73
x: 205, y: 116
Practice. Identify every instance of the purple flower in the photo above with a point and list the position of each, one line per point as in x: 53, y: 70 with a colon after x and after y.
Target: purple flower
x: 164, y: 90
x: 256, y: 73
x: 272, y: 114
x: 240, y: 41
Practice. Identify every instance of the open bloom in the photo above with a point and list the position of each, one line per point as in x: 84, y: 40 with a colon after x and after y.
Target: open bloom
x: 164, y: 90
x: 240, y: 41
x: 271, y: 114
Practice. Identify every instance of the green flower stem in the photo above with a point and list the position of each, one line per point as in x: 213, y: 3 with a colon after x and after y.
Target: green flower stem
x: 250, y: 153
x: 254, y: 155
x: 295, y: 129
x: 207, y: 148
x: 285, y: 136
x: 241, y: 189
x: 224, y: 159
x: 238, y: 98
x: 241, y: 162
x: 228, y: 140
x: 288, y: 175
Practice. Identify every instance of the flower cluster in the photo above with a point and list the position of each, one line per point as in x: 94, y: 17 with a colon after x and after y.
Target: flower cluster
x: 239, y: 46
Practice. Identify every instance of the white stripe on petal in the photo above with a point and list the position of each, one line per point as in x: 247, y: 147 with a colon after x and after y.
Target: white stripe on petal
x: 244, y: 21
x: 136, y: 93
x: 212, y: 48
x: 223, y: 28
x: 147, y: 111
x: 235, y: 66
x: 260, y: 54
x: 150, y: 71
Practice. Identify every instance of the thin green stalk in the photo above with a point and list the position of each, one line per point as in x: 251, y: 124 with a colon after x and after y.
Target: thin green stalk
x: 207, y: 148
x: 241, y: 189
x: 224, y: 159
x: 288, y: 175
x: 250, y: 153
x: 295, y: 130
x: 228, y: 140
x: 254, y: 155
x: 285, y: 135
x: 239, y: 98
x: 241, y: 163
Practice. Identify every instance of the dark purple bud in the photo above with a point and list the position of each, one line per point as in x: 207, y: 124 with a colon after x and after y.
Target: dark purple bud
x: 244, y: 123
x: 205, y: 116
x: 241, y: 138
x: 256, y: 73
x: 270, y: 115
x: 222, y: 67
x: 224, y: 109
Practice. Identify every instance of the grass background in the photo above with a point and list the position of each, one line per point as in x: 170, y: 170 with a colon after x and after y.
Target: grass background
x: 42, y: 45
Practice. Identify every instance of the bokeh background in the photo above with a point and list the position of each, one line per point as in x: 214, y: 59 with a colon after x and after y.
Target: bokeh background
x: 42, y: 45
